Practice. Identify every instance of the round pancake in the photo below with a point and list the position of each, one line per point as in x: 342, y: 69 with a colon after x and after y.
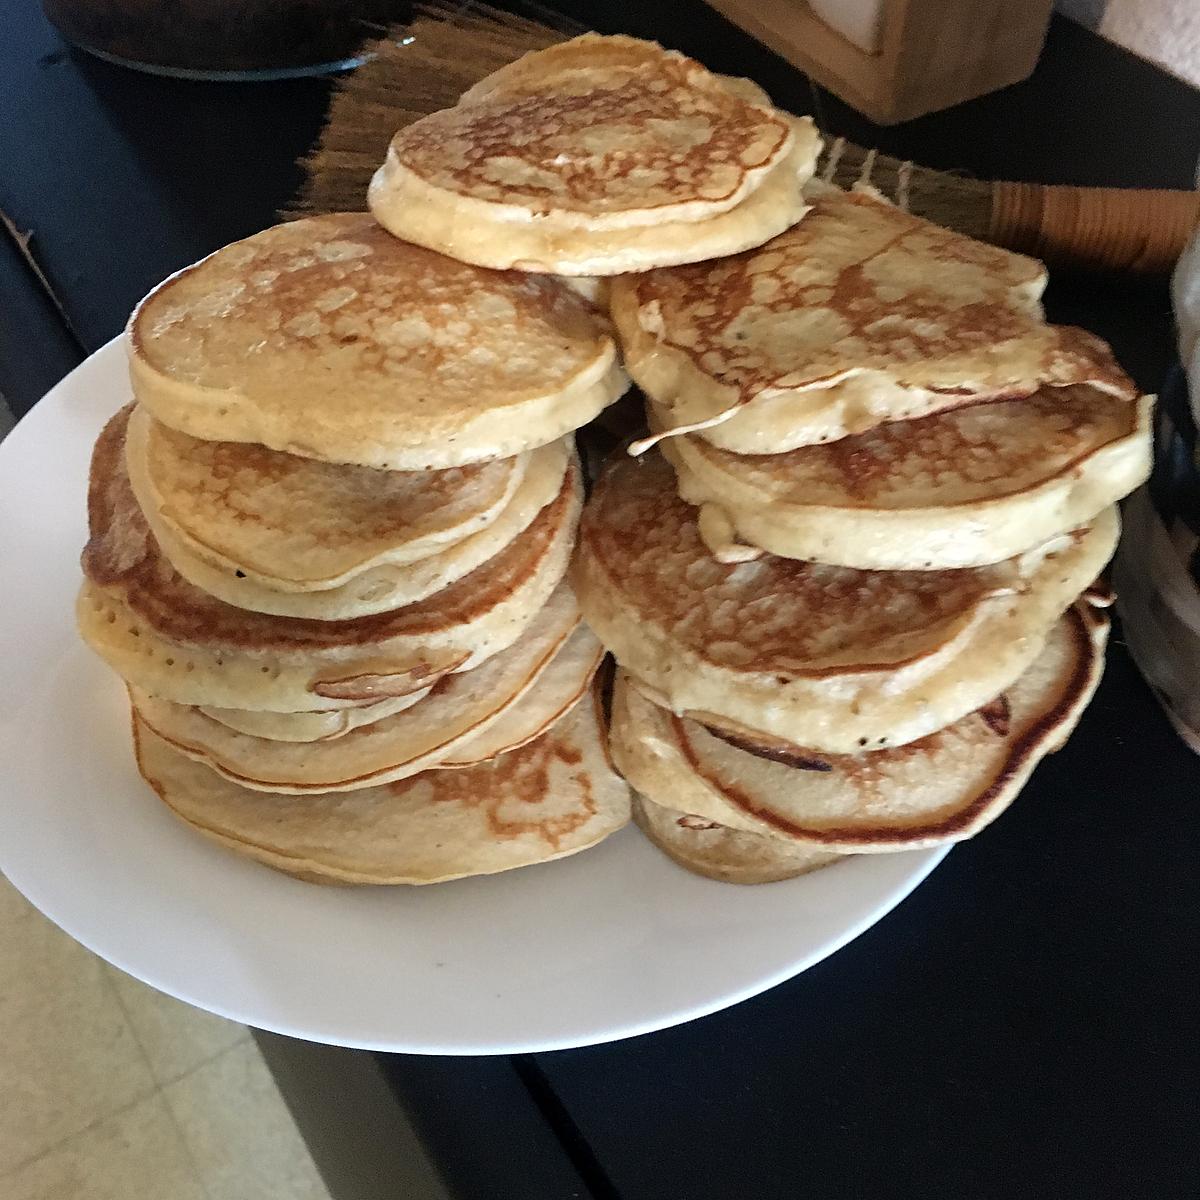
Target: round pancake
x: 310, y: 726
x: 170, y: 639
x: 962, y: 488
x: 382, y: 588
x: 729, y: 855
x: 859, y: 314
x: 553, y: 797
x: 328, y: 338
x: 943, y: 788
x: 459, y: 707
x: 297, y: 524
x: 823, y: 656
x: 594, y: 157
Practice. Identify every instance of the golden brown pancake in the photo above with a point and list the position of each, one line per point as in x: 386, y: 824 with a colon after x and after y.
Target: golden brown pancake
x: 858, y: 315
x: 942, y: 788
x: 328, y: 338
x: 962, y: 488
x: 298, y: 524
x: 553, y: 797
x: 708, y: 848
x: 508, y: 688
x: 564, y: 683
x: 594, y: 157
x: 828, y: 657
x: 164, y: 635
x: 385, y: 585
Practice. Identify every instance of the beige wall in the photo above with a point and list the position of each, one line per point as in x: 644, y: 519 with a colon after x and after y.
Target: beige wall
x: 1165, y: 31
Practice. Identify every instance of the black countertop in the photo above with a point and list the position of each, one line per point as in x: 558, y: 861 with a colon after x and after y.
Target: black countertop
x: 1025, y: 1023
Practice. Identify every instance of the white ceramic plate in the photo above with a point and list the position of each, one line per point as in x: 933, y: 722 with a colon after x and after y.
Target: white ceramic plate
x: 612, y: 942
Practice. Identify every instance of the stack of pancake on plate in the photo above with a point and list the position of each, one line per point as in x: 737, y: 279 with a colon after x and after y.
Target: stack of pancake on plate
x: 328, y: 551
x: 852, y: 601
x: 849, y: 597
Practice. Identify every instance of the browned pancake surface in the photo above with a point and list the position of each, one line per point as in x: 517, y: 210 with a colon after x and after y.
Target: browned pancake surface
x: 340, y: 296
x: 121, y: 553
x: 844, y: 288
x: 257, y: 492
x: 630, y: 131
x: 992, y: 734
x: 772, y: 614
x: 982, y: 451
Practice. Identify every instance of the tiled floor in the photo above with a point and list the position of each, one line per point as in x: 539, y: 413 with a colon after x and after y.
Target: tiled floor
x: 112, y: 1091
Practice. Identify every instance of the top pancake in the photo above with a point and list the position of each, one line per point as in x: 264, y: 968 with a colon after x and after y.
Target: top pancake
x: 599, y: 155
x: 858, y: 315
x: 330, y: 339
x: 823, y: 656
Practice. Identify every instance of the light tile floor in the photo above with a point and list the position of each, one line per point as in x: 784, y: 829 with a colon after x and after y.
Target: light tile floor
x: 112, y: 1091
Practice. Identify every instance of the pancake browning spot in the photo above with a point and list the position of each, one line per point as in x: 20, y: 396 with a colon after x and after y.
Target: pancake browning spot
x: 997, y: 716
x: 771, y: 614
x: 868, y: 774
x: 773, y: 749
x: 604, y: 150
x: 342, y: 289
x: 522, y: 793
x: 121, y: 552
x: 858, y: 314
x: 688, y: 821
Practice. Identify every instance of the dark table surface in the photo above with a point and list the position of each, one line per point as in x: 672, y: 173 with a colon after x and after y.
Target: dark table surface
x: 1023, y: 1025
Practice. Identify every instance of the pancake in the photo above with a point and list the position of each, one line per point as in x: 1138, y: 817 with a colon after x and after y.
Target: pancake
x: 827, y: 657
x: 296, y: 524
x: 729, y: 855
x: 858, y: 315
x: 553, y: 797
x: 310, y: 726
x: 594, y: 157
x: 382, y: 588
x: 745, y: 89
x: 962, y: 488
x: 562, y: 685
x: 942, y: 788
x: 329, y: 339
x: 167, y: 637
x: 458, y: 708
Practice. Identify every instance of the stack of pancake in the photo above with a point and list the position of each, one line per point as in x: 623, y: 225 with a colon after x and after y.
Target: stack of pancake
x: 851, y: 599
x: 327, y: 555
x: 850, y: 602
x: 329, y: 541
